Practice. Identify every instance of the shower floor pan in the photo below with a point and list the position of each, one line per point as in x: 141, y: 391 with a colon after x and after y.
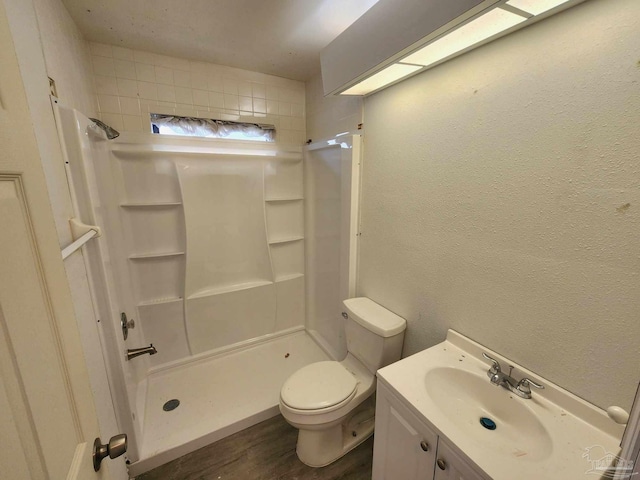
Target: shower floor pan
x: 218, y: 396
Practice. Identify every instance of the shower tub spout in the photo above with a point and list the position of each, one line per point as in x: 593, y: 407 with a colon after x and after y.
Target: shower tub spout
x: 136, y: 352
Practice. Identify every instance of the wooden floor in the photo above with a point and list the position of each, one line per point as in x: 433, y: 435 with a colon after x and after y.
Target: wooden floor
x: 266, y: 451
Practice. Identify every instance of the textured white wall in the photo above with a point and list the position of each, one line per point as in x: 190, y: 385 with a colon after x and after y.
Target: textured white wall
x: 328, y: 116
x: 67, y: 56
x: 501, y: 198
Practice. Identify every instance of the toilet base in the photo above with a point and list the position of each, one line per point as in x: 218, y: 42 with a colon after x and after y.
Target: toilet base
x: 319, y: 447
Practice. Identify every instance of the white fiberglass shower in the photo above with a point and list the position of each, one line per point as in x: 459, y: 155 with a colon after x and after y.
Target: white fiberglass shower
x: 232, y: 257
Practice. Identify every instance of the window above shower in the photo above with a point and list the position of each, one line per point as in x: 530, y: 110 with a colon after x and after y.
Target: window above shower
x: 211, y: 128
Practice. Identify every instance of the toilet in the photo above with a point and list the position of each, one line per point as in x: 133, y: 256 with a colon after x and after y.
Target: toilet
x: 332, y: 404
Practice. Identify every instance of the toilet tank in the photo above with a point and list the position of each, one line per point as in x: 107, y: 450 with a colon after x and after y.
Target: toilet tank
x: 374, y: 334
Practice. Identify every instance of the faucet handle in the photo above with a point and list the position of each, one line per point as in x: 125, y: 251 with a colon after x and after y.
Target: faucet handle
x: 524, y: 386
x: 495, y: 368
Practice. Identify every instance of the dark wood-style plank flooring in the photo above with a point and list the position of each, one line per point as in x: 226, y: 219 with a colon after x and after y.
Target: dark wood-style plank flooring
x: 266, y: 451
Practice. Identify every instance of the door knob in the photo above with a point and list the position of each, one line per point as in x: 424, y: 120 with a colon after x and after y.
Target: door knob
x: 117, y: 446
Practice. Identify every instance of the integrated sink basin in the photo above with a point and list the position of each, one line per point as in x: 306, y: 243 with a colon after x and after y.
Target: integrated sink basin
x: 545, y: 436
x: 465, y: 397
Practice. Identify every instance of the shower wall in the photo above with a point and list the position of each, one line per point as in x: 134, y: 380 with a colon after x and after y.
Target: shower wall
x: 100, y: 298
x: 210, y: 241
x: 332, y: 181
x: 132, y: 83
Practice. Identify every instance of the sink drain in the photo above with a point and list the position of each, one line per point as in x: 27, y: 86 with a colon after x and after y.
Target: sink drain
x: 487, y: 423
x: 171, y: 405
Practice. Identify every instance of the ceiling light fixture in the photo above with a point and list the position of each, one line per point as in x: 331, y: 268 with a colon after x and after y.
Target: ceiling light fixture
x: 428, y: 33
x: 468, y: 35
x: 383, y: 78
x: 535, y: 7
x: 490, y: 23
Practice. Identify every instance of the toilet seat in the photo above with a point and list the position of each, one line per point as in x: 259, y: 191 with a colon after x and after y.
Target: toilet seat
x: 324, y: 386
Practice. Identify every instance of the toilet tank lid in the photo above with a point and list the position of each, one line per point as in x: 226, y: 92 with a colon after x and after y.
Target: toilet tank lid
x: 374, y: 317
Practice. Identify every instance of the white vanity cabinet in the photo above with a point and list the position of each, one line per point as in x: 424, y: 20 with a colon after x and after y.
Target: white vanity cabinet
x: 451, y: 466
x: 439, y: 395
x: 405, y: 448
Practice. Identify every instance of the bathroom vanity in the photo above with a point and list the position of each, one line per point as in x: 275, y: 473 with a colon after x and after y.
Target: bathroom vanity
x: 428, y: 421
x: 408, y: 447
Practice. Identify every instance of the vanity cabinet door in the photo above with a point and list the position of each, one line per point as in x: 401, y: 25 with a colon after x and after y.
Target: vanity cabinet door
x: 450, y: 466
x: 404, y: 448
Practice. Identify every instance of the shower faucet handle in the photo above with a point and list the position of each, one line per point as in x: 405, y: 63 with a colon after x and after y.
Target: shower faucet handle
x: 126, y: 325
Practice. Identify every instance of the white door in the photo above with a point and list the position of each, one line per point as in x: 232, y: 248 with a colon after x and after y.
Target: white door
x: 47, y: 417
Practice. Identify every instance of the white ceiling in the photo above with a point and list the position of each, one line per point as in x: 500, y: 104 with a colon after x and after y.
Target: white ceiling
x: 278, y: 37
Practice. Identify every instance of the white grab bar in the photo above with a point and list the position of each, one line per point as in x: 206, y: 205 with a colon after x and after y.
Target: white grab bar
x: 82, y: 234
x: 78, y: 243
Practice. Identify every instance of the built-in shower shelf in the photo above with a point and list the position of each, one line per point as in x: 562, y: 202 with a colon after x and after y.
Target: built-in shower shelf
x: 150, y: 205
x: 284, y: 199
x: 286, y: 240
x: 160, y: 301
x: 148, y: 256
x: 292, y: 276
x: 218, y: 290
x: 145, y: 152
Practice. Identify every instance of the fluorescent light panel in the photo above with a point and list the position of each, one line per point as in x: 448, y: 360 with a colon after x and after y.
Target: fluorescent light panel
x: 535, y: 7
x: 390, y: 74
x: 483, y: 27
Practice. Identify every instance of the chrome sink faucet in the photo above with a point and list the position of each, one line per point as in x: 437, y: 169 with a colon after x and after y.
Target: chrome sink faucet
x: 501, y: 379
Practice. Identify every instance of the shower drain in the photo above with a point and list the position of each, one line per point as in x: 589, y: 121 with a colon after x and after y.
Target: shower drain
x: 171, y: 405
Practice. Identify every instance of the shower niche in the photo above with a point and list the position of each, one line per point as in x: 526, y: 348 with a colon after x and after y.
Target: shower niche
x: 214, y: 244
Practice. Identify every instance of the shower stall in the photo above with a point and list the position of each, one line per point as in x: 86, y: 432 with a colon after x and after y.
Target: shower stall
x: 230, y: 257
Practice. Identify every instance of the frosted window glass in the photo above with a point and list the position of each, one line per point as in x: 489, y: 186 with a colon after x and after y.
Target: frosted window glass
x: 210, y: 128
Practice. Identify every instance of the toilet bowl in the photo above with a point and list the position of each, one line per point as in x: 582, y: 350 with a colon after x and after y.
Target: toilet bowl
x: 332, y: 403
